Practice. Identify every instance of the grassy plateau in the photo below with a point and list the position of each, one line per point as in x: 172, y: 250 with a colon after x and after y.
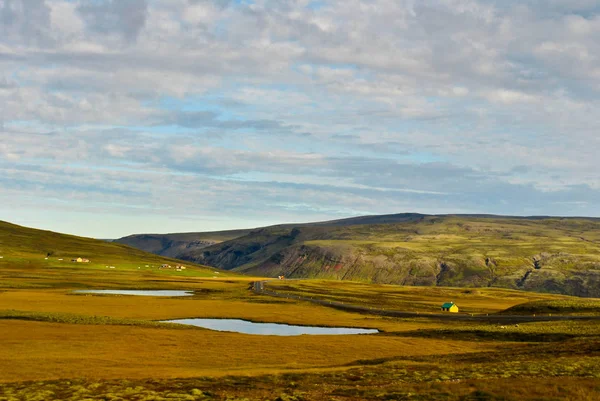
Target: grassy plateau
x: 59, y: 345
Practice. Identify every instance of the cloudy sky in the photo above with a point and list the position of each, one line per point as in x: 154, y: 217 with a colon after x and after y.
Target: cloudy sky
x: 126, y: 116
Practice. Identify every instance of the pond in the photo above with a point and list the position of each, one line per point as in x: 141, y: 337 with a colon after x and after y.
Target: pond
x: 147, y: 293
x: 274, y: 329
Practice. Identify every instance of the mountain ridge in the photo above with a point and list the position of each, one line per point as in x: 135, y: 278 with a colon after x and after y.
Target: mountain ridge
x: 539, y: 253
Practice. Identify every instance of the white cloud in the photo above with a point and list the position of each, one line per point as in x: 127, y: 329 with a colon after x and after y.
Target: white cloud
x: 507, y: 96
x: 355, y: 105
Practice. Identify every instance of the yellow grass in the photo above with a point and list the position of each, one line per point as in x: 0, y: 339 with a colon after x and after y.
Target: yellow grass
x: 407, y: 298
x: 413, y: 355
x: 225, y: 306
x: 40, y: 351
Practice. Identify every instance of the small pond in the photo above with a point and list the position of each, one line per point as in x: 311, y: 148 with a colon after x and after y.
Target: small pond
x: 147, y: 293
x: 274, y: 329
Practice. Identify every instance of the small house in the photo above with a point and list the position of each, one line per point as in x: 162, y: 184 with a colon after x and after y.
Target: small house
x: 450, y: 307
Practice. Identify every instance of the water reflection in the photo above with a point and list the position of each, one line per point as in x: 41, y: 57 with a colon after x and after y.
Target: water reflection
x: 275, y: 329
x: 148, y: 293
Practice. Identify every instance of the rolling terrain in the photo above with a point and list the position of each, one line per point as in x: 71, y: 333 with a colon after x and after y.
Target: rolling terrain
x: 187, y: 245
x: 175, y: 245
x: 61, y: 345
x: 545, y: 254
x: 46, y: 255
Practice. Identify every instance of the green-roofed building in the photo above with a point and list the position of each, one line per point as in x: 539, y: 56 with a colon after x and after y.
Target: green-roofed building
x: 450, y: 307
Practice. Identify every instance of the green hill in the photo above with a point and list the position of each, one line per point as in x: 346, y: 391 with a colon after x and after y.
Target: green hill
x: 548, y: 254
x: 40, y: 254
x: 188, y: 245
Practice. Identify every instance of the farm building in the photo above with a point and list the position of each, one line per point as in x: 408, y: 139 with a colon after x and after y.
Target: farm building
x: 450, y: 307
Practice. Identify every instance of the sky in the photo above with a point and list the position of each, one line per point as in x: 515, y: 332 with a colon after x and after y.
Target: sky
x: 131, y: 116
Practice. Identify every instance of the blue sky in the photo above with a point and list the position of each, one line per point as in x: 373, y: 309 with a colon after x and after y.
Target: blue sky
x: 121, y: 117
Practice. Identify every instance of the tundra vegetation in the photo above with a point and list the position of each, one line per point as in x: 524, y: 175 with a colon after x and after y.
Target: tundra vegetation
x: 58, y: 345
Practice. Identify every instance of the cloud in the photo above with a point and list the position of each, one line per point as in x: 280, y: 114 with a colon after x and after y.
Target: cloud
x: 218, y: 3
x: 510, y: 97
x: 208, y: 119
x: 24, y: 22
x: 286, y: 107
x: 123, y: 17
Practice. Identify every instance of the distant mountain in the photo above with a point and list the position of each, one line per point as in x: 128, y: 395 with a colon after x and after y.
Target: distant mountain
x: 186, y: 245
x: 177, y: 245
x: 540, y: 253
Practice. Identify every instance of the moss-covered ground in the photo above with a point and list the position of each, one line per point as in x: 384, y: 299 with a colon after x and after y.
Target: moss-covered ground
x: 57, y: 345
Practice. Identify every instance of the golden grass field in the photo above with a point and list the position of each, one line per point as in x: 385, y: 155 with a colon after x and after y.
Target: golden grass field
x: 409, y: 298
x: 115, y: 351
x: 56, y: 345
x: 110, y: 352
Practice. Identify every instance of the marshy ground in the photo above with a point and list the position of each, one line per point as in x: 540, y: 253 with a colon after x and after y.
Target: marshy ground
x: 57, y: 345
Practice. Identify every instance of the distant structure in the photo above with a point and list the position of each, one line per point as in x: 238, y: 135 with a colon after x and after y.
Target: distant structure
x: 450, y: 307
x: 80, y: 260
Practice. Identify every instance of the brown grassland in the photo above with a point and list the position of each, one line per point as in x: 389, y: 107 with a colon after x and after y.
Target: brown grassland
x: 56, y: 345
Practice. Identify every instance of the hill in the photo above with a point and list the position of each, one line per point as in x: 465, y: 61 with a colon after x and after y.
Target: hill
x: 547, y: 254
x: 185, y: 245
x: 179, y: 245
x: 48, y: 253
x: 174, y: 245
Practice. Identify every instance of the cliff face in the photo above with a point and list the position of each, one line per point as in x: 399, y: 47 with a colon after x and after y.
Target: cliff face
x: 302, y: 261
x: 536, y: 254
